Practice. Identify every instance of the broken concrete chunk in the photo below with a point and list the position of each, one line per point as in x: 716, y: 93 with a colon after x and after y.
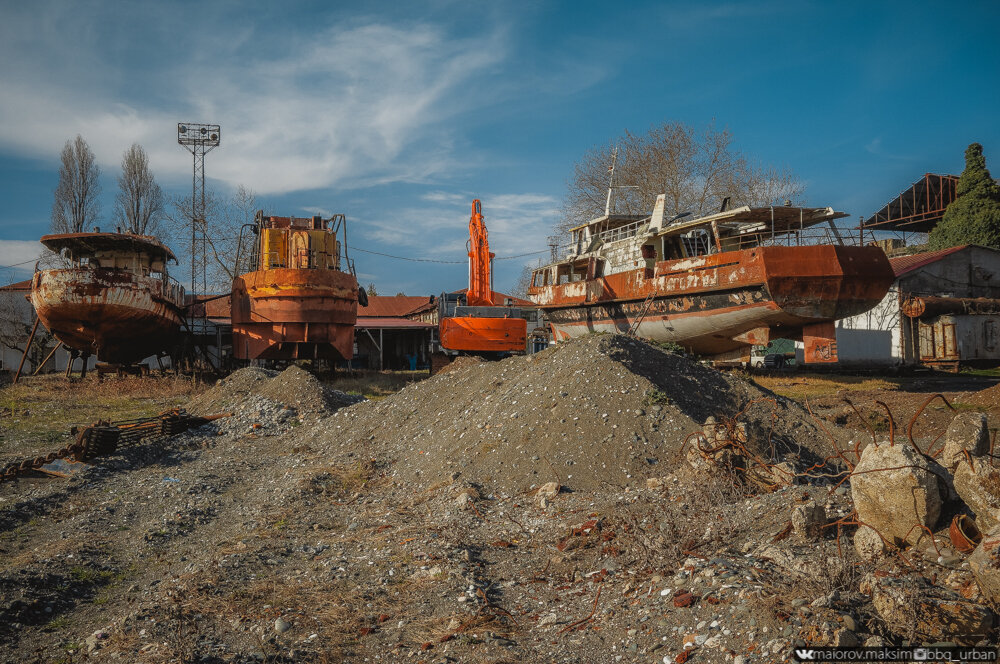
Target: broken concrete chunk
x: 784, y: 473
x: 979, y: 487
x: 808, y: 520
x: 985, y: 565
x: 548, y: 490
x: 968, y: 432
x: 868, y: 544
x: 932, y: 613
x: 896, y: 491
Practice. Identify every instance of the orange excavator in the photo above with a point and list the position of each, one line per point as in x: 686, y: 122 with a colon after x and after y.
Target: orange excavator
x: 472, y: 322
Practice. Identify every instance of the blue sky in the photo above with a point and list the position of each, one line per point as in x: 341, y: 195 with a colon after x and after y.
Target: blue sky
x: 399, y: 114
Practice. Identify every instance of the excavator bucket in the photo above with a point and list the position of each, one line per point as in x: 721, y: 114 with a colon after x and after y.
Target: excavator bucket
x: 484, y: 334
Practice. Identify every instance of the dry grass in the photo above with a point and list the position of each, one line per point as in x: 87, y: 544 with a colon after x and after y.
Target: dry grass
x: 39, y: 411
x: 376, y: 384
x: 801, y: 386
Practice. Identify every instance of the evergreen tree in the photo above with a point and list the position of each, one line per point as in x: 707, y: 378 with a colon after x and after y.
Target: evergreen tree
x: 974, y: 216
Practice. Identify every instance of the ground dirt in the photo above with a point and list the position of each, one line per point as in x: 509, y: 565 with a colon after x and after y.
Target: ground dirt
x: 537, y: 509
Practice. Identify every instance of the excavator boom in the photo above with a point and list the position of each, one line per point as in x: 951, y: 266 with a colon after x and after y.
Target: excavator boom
x: 480, y: 293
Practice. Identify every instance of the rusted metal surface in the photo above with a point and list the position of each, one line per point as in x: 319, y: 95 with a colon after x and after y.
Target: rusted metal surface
x: 706, y: 303
x: 90, y: 243
x: 918, y: 307
x: 298, y: 303
x: 964, y: 534
x: 919, y: 208
x: 116, y: 314
x: 290, y: 314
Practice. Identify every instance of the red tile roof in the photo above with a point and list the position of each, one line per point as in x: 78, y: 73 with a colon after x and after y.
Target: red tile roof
x: 390, y: 322
x: 393, y: 305
x: 19, y: 286
x: 903, y: 264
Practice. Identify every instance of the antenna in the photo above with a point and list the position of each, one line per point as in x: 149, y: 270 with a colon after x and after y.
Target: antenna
x: 611, y: 182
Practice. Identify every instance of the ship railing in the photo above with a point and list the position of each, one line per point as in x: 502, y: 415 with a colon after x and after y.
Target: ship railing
x: 816, y: 235
x: 622, y: 232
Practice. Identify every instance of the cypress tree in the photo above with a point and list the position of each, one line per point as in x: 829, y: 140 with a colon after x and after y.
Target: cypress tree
x: 974, y: 216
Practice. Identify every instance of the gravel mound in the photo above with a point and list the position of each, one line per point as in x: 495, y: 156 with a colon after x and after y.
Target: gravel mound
x: 988, y: 398
x: 598, y: 410
x: 293, y: 388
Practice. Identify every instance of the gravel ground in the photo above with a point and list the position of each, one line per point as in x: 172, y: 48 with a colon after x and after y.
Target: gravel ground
x: 536, y: 509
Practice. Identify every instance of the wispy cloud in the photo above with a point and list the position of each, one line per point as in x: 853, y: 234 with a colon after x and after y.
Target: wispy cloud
x: 517, y: 224
x: 356, y: 104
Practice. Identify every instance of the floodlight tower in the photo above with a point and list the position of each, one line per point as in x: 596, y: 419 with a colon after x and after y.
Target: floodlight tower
x: 199, y: 139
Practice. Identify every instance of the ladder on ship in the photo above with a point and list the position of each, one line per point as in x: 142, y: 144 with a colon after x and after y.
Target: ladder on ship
x: 643, y: 310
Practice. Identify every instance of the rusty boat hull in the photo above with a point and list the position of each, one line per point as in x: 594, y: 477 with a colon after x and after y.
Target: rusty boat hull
x: 289, y: 314
x: 724, y: 302
x: 119, y: 316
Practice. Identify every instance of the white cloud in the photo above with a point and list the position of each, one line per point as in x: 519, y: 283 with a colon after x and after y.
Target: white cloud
x: 517, y: 224
x: 351, y: 105
x: 19, y: 253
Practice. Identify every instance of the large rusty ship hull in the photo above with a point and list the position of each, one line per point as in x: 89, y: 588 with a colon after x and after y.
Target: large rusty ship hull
x: 289, y: 314
x: 718, y: 303
x: 120, y: 317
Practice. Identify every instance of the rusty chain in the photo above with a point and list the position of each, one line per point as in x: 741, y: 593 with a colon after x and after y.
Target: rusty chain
x: 103, y: 438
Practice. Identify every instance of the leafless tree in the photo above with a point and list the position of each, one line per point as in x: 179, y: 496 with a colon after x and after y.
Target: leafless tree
x: 224, y: 219
x: 139, y: 203
x: 695, y: 169
x: 75, y: 207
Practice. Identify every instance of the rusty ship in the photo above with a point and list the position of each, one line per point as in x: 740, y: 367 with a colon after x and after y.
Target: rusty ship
x: 716, y: 285
x: 297, y: 302
x: 113, y: 298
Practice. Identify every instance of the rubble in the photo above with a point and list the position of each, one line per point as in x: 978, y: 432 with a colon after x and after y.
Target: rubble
x: 915, y: 609
x: 432, y: 525
x: 979, y: 488
x: 985, y: 565
x: 896, y: 491
x: 968, y: 434
x: 808, y: 520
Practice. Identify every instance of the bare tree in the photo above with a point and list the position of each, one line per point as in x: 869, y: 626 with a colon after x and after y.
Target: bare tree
x: 75, y: 207
x: 139, y: 203
x: 696, y: 170
x: 224, y: 219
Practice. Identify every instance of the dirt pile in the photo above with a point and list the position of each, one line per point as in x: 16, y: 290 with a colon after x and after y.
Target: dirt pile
x: 599, y: 410
x: 294, y: 388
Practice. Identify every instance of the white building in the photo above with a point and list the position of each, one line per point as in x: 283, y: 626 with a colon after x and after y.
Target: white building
x: 955, y: 294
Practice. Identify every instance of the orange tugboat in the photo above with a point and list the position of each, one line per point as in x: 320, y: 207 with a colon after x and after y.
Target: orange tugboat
x: 715, y: 285
x: 115, y: 300
x: 298, y: 303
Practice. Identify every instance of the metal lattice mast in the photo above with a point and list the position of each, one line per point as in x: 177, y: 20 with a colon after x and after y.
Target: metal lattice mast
x: 199, y: 139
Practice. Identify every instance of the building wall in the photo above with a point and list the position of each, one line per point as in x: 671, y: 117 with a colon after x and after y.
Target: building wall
x: 883, y: 336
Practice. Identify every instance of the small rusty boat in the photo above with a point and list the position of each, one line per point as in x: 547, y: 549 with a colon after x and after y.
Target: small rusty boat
x: 113, y: 298
x: 298, y: 302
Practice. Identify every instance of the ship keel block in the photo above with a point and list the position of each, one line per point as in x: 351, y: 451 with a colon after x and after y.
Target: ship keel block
x: 484, y: 334
x: 820, y: 341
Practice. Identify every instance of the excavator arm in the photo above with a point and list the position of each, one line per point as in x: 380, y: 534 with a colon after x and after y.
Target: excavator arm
x: 480, y: 293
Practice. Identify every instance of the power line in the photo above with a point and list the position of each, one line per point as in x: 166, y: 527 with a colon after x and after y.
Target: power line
x: 435, y: 260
